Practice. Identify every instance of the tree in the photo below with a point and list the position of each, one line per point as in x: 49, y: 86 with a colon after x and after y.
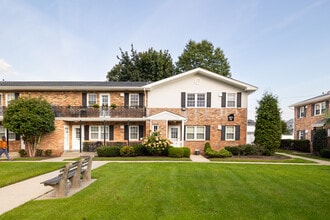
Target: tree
x: 268, y: 124
x: 30, y: 118
x: 205, y: 56
x: 143, y: 66
x: 320, y: 140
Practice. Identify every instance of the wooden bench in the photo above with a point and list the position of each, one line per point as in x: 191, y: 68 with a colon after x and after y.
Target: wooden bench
x: 74, y: 172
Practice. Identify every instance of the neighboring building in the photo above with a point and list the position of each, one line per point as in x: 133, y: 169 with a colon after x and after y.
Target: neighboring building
x: 251, y: 127
x: 190, y: 109
x: 310, y: 115
x: 290, y: 126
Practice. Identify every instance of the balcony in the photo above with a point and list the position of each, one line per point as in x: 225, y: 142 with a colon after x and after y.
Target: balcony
x: 90, y: 112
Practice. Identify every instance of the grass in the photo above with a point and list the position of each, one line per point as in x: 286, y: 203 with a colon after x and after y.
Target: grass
x: 12, y: 172
x: 192, y: 191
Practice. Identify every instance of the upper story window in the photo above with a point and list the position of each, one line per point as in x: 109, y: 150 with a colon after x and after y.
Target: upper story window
x: 105, y: 100
x: 9, y: 98
x: 134, y: 99
x: 319, y: 108
x: 0, y: 99
x: 196, y: 100
x: 231, y: 99
x: 302, y: 112
x: 91, y: 99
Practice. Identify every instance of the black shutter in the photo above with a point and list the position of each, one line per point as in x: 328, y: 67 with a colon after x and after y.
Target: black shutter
x: 223, y: 100
x: 208, y: 100
x: 326, y: 105
x: 141, y: 100
x: 126, y: 132
x: 16, y: 95
x: 312, y: 109
x: 126, y: 100
x: 223, y: 132
x: 239, y: 99
x: 86, y: 130
x: 183, y: 99
x: 17, y: 137
x: 111, y: 132
x: 141, y: 131
x: 305, y: 111
x: 184, y: 132
x: 84, y: 99
x: 237, y: 132
x: 207, y: 132
x: 298, y: 110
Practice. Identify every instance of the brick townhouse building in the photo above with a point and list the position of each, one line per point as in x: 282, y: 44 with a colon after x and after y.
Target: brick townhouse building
x: 311, y: 114
x: 190, y: 109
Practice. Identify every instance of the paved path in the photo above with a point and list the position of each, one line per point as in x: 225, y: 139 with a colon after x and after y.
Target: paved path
x: 17, y: 194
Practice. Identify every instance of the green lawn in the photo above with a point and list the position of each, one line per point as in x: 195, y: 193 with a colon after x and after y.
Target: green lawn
x: 12, y: 172
x: 192, y: 191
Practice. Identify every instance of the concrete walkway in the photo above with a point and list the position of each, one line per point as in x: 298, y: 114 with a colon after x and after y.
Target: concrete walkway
x: 19, y: 193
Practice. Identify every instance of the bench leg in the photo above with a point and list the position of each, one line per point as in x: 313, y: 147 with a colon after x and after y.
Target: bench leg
x: 60, y: 189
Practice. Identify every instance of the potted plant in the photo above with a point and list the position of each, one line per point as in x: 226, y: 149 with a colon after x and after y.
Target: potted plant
x: 113, y: 106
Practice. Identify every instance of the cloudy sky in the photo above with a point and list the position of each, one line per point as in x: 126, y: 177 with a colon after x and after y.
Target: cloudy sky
x: 280, y: 46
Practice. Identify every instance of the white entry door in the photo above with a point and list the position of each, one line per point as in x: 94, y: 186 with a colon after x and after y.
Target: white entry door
x: 66, y: 137
x: 174, y: 135
x: 76, y: 137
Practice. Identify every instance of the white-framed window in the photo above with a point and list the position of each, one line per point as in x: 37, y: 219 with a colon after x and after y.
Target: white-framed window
x: 104, y: 100
x: 196, y: 100
x: 302, y: 135
x: 91, y: 99
x: 97, y: 132
x: 328, y: 132
x: 154, y: 128
x: 134, y: 132
x: 302, y: 112
x: 9, y: 98
x: 319, y: 108
x: 231, y: 100
x: 195, y: 133
x: 134, y: 99
x: 3, y: 132
x: 230, y: 133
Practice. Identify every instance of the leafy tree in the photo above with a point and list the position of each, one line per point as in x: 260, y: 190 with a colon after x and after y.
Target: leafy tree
x: 268, y: 124
x: 203, y: 55
x: 30, y: 118
x: 143, y: 66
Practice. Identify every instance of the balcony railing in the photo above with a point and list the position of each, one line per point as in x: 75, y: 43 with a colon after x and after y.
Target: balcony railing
x: 88, y: 112
x: 84, y: 112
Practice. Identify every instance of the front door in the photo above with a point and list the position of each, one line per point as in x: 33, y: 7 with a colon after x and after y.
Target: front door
x: 77, y: 139
x: 174, y: 135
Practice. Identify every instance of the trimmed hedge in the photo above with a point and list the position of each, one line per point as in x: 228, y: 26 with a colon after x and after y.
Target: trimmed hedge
x: 297, y: 145
x: 325, y: 153
x: 108, y: 151
x: 178, y: 152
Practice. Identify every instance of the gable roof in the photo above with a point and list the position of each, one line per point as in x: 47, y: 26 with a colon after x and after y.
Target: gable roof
x: 69, y: 85
x: 320, y: 98
x: 235, y: 83
x: 165, y: 115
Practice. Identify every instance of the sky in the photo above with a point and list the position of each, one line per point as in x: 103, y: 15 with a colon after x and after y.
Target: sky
x: 280, y: 46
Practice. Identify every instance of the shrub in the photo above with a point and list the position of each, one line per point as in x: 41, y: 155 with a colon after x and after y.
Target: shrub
x: 210, y: 153
x: 140, y: 150
x: 86, y: 146
x: 178, y: 152
x: 225, y: 153
x: 325, y: 153
x: 48, y: 152
x: 155, y: 144
x: 207, y: 146
x: 108, y: 151
x: 186, y: 152
x: 127, y: 151
x: 249, y: 149
x: 297, y: 145
x: 39, y: 152
x: 320, y: 140
x: 22, y: 152
x: 235, y: 150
